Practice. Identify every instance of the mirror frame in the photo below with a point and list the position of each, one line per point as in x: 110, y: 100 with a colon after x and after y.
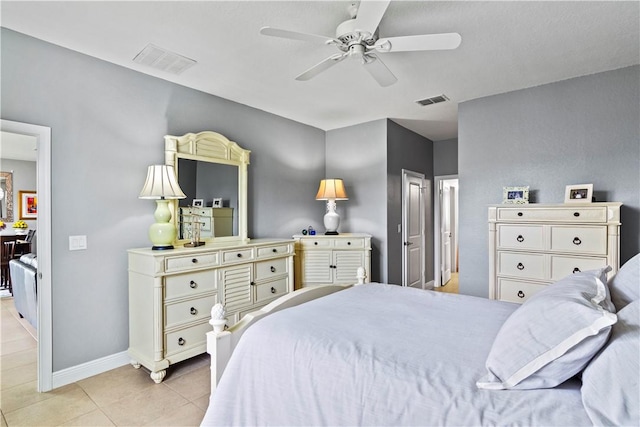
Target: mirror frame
x: 211, y: 147
x: 8, y: 178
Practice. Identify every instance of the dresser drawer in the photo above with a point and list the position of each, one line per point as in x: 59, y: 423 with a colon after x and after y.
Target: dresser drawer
x: 189, y: 284
x: 188, y: 311
x: 270, y: 268
x: 348, y: 244
x: 517, y: 291
x: 562, y: 266
x: 579, y: 240
x: 575, y: 214
x: 237, y: 255
x: 521, y: 237
x: 521, y: 265
x: 186, y: 339
x: 270, y: 251
x: 270, y: 290
x: 319, y: 243
x: 190, y: 262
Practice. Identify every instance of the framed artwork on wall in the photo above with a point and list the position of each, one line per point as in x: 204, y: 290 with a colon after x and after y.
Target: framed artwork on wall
x: 28, y: 204
x: 515, y: 195
x: 579, y: 193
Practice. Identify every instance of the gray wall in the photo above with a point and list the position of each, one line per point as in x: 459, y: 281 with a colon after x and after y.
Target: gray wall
x: 407, y: 150
x: 445, y: 157
x: 358, y: 154
x: 582, y: 130
x: 107, y: 125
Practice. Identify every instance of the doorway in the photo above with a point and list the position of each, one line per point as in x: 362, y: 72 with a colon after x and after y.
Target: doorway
x: 413, y: 229
x: 446, y: 228
x: 43, y: 243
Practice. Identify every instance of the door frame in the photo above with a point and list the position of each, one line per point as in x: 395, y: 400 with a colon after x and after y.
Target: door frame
x: 406, y: 173
x: 43, y: 242
x: 437, y: 201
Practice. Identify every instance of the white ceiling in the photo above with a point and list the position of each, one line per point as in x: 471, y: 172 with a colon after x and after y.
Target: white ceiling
x: 505, y: 46
x: 15, y: 146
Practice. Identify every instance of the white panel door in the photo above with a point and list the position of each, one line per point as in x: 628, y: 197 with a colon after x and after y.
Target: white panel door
x: 413, y: 234
x: 445, y: 239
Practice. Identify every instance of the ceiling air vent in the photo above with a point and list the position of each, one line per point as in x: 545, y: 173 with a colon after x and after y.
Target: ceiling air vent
x: 433, y: 100
x: 163, y: 60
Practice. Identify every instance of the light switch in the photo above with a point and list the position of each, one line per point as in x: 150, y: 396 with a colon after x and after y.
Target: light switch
x: 77, y: 243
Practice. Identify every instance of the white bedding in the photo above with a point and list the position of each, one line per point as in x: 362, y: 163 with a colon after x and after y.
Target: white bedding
x: 380, y: 355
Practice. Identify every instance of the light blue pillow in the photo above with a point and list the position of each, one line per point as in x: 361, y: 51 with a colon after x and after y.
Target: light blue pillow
x: 625, y: 284
x: 553, y: 335
x: 611, y: 381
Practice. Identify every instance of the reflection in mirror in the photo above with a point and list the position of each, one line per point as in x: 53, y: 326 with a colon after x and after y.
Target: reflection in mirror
x: 6, y: 196
x: 208, y: 182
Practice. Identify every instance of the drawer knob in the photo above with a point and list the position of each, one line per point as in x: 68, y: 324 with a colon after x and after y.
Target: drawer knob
x: 181, y: 341
x: 273, y: 290
x: 252, y: 283
x: 349, y: 243
x: 194, y: 311
x: 315, y: 243
x: 576, y: 214
x: 239, y: 255
x: 520, y: 266
x: 273, y: 269
x: 194, y: 260
x: 275, y: 251
x: 576, y: 270
x: 193, y: 284
x: 576, y: 241
x: 520, y: 214
x: 520, y: 238
x: 520, y: 294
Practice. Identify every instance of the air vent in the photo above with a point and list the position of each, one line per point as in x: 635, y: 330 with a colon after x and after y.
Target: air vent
x: 163, y: 60
x: 433, y: 100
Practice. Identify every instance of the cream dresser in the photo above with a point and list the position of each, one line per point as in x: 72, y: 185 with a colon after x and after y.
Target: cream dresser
x: 216, y: 222
x: 531, y: 246
x: 331, y: 259
x: 171, y: 294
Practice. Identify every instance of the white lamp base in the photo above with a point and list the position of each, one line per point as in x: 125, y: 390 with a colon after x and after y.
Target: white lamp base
x: 331, y: 218
x: 162, y: 233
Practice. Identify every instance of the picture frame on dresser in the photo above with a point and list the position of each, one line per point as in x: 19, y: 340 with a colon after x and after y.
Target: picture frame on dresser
x: 515, y: 195
x: 217, y: 202
x: 579, y: 193
x: 197, y: 203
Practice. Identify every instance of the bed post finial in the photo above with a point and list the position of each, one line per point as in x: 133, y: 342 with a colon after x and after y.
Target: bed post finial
x: 361, y: 275
x: 218, y: 321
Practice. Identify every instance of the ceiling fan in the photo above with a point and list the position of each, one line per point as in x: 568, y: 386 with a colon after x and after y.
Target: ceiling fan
x: 358, y: 38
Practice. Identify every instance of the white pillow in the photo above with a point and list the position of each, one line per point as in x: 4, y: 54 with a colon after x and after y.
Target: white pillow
x: 625, y: 284
x: 553, y: 335
x: 611, y: 381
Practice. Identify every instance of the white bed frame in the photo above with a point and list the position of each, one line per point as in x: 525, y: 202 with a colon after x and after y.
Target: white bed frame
x: 221, y: 342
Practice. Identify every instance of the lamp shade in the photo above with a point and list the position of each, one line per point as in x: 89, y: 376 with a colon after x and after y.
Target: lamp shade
x: 331, y: 189
x: 161, y: 183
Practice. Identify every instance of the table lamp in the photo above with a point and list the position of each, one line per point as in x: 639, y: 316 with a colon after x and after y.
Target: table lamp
x: 161, y: 185
x: 331, y: 190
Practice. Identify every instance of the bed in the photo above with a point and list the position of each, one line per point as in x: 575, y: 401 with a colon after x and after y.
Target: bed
x: 377, y: 354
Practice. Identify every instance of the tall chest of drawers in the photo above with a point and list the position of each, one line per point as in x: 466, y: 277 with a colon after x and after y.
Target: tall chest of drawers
x: 171, y: 294
x: 532, y: 246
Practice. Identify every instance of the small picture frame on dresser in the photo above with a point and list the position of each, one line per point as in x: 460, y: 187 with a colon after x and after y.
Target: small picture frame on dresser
x: 515, y: 195
x: 579, y: 193
x: 197, y: 203
x: 217, y: 202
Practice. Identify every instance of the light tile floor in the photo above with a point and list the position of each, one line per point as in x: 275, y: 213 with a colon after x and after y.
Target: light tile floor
x: 121, y: 397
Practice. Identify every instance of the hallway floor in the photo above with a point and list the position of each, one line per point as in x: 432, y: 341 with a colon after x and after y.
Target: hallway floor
x: 451, y: 287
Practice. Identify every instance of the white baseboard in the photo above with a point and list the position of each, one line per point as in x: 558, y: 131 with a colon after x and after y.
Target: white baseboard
x: 89, y: 369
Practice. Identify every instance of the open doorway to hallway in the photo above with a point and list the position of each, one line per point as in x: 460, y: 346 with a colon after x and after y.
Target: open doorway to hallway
x: 446, y: 230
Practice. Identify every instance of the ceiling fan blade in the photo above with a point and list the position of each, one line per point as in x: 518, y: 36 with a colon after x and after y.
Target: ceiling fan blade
x: 423, y: 42
x: 322, y: 66
x: 370, y: 14
x: 294, y: 35
x: 378, y: 70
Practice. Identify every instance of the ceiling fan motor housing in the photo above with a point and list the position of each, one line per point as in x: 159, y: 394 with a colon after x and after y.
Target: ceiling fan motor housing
x: 348, y: 33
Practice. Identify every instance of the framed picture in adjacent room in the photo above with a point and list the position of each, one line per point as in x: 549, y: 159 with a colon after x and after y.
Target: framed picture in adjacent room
x: 515, y: 195
x: 28, y: 205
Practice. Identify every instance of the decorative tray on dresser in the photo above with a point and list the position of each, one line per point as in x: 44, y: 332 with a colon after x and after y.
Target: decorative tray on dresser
x: 171, y: 294
x: 534, y: 245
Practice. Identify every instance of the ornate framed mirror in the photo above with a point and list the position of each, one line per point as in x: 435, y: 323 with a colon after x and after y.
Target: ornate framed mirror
x: 6, y: 196
x: 212, y: 172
